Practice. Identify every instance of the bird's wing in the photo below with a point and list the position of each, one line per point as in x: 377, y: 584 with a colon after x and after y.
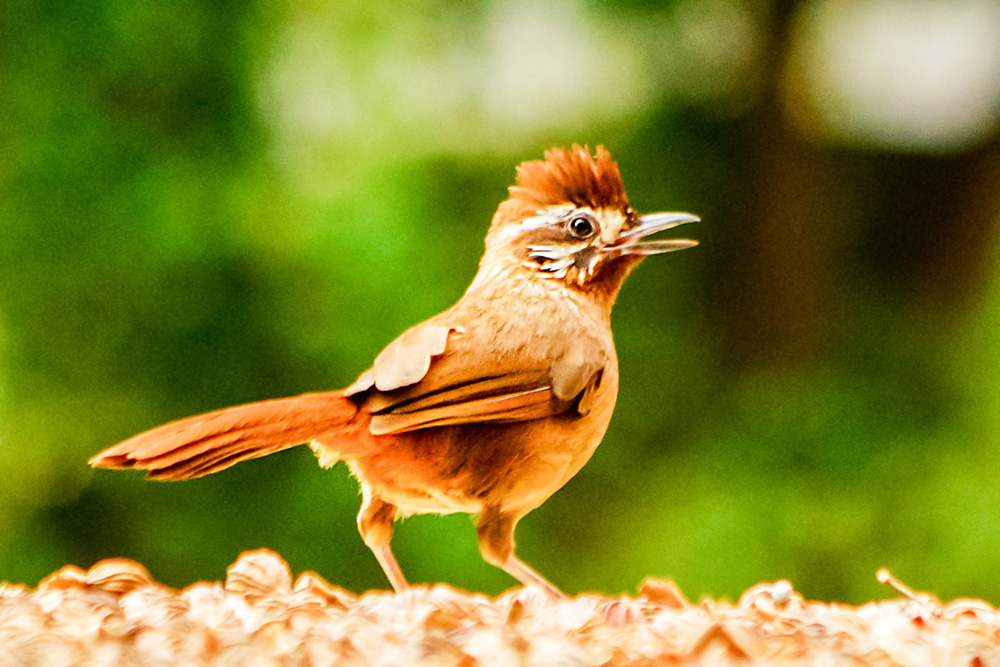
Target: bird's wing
x: 435, y: 375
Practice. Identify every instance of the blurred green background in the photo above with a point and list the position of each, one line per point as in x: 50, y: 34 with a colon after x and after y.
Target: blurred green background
x: 207, y: 203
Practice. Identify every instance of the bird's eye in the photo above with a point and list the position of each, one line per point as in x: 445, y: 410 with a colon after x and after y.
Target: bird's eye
x: 581, y: 227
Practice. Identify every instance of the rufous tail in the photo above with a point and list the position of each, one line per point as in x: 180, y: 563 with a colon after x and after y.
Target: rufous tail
x: 205, y: 444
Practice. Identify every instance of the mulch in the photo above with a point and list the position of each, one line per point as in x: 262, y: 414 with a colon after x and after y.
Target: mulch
x: 116, y: 614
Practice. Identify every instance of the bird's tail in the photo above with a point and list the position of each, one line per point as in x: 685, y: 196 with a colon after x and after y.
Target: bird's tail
x: 205, y: 444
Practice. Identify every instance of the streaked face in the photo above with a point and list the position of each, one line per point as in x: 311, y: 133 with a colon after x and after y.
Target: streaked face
x: 573, y: 243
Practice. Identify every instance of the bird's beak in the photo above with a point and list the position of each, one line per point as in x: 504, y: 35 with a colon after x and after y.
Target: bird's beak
x: 630, y: 242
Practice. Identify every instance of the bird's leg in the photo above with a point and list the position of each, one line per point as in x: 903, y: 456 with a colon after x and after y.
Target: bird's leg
x: 496, y: 543
x: 391, y: 568
x: 521, y: 571
x: 375, y: 525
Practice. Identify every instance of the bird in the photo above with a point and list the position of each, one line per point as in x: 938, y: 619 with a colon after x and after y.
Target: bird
x: 487, y: 408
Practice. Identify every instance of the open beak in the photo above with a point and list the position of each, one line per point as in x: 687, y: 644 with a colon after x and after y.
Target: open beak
x: 630, y: 242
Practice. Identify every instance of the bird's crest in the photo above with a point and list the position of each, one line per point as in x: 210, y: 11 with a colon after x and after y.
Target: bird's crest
x: 566, y: 176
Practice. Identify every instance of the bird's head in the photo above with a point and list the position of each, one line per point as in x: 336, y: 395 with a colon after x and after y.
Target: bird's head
x: 568, y: 220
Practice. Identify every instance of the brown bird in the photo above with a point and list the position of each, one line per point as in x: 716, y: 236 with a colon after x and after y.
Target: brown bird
x: 489, y: 407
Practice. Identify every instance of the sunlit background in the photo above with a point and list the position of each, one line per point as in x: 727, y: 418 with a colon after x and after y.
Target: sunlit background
x: 207, y: 203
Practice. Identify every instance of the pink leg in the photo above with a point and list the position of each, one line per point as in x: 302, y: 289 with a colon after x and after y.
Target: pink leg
x: 375, y: 525
x: 391, y: 568
x: 520, y: 570
x: 496, y: 543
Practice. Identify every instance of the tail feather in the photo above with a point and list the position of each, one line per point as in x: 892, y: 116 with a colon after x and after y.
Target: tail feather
x: 204, y: 444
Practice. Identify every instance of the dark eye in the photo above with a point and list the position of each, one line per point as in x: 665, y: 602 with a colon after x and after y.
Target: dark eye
x: 581, y: 227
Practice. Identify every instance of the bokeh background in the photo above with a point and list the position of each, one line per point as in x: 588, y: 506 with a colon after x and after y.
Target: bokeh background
x: 206, y: 203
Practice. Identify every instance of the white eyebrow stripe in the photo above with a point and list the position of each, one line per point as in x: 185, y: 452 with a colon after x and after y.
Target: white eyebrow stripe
x: 558, y: 211
x: 545, y: 217
x: 516, y: 228
x: 537, y: 222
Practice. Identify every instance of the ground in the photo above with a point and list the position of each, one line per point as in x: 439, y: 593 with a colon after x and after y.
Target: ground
x: 116, y: 614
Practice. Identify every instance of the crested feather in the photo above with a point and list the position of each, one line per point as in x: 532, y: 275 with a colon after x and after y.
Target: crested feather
x: 565, y: 176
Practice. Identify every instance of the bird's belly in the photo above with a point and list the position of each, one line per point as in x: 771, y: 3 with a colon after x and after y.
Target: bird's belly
x: 429, y: 500
x: 514, y: 466
x: 417, y: 484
